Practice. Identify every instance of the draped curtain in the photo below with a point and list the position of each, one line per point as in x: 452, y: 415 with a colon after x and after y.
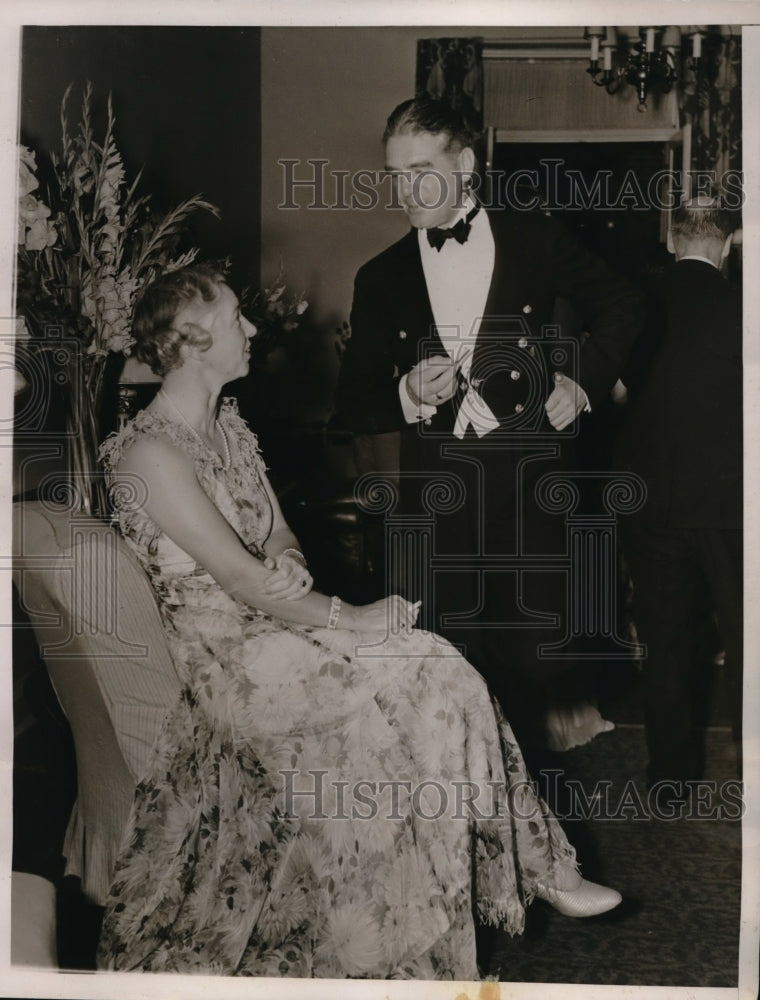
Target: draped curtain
x: 712, y: 102
x: 451, y: 69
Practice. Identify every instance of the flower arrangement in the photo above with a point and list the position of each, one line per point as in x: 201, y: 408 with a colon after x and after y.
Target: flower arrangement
x: 275, y: 312
x: 96, y: 243
x: 35, y: 230
x: 84, y: 251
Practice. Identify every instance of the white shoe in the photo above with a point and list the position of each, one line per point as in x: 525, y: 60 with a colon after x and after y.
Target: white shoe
x: 574, y: 727
x: 588, y: 900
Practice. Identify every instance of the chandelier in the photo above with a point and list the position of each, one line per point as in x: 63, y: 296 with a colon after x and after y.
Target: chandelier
x: 651, y: 63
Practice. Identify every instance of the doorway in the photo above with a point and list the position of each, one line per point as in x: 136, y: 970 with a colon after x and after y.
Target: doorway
x: 611, y: 195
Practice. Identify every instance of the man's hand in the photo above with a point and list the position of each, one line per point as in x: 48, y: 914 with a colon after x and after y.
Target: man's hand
x: 565, y: 403
x: 619, y: 393
x: 432, y: 381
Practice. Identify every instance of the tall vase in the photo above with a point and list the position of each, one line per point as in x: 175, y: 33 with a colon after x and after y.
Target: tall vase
x: 83, y: 434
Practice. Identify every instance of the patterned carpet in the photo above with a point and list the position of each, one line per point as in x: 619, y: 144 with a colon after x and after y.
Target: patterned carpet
x: 680, y: 879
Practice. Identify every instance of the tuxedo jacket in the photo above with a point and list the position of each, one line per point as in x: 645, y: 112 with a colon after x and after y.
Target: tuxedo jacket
x: 683, y: 435
x: 516, y: 353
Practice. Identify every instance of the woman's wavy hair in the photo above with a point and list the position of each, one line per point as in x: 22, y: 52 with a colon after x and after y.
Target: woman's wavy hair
x: 157, y: 340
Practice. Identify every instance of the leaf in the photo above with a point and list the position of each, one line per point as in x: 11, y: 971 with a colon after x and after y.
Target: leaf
x: 170, y: 226
x: 65, y: 123
x: 106, y: 242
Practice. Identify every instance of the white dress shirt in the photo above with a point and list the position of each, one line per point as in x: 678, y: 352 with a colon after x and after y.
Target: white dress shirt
x: 705, y: 260
x: 458, y: 277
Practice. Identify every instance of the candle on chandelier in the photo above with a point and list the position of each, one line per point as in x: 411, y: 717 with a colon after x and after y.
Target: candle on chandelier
x: 594, y: 34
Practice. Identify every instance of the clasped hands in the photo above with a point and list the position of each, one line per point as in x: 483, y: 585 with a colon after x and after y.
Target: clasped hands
x: 291, y: 579
x: 434, y: 381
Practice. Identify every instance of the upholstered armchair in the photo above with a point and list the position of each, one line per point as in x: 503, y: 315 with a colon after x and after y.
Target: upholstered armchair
x: 100, y: 635
x: 101, y: 638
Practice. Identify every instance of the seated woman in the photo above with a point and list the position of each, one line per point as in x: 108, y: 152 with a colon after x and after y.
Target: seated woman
x: 335, y: 794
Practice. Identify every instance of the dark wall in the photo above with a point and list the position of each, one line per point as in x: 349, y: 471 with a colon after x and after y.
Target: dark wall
x: 188, y: 109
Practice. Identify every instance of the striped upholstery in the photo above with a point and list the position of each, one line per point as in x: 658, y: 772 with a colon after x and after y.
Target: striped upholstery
x: 100, y: 635
x: 32, y: 921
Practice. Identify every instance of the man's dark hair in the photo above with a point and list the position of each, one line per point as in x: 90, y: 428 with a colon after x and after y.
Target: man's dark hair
x: 703, y: 219
x: 423, y: 114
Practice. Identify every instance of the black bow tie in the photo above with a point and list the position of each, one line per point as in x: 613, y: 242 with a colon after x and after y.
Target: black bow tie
x: 459, y: 232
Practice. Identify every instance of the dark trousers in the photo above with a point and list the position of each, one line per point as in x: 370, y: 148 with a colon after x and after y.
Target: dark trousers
x: 498, y: 616
x: 670, y: 570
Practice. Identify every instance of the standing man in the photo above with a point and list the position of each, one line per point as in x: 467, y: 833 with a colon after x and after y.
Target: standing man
x: 684, y: 438
x: 449, y: 347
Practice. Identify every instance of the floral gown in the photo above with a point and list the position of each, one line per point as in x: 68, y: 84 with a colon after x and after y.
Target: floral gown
x: 312, y: 808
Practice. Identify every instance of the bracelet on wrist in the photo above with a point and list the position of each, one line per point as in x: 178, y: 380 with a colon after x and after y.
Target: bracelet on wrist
x: 296, y: 553
x: 332, y: 621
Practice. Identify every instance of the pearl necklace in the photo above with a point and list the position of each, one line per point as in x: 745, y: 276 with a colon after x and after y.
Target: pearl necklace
x: 194, y: 432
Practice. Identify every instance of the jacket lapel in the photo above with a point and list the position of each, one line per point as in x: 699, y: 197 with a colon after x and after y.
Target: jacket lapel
x: 416, y: 312
x: 510, y: 270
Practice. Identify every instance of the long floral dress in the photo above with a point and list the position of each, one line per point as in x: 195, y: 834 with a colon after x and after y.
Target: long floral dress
x: 320, y: 802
